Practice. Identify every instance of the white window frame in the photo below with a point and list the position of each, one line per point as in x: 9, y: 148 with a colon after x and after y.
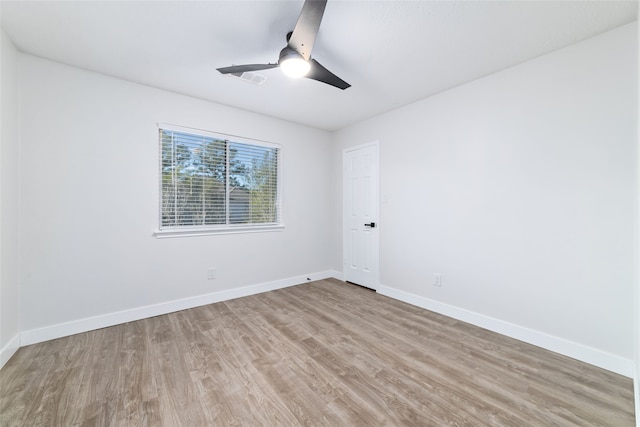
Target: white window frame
x: 204, y: 230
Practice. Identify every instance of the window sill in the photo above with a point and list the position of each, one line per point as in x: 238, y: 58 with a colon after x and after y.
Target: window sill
x: 193, y: 232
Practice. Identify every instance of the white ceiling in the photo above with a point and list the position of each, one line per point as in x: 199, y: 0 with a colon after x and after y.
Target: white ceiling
x: 391, y: 52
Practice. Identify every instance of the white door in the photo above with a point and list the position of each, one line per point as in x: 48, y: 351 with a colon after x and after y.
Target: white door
x: 360, y: 218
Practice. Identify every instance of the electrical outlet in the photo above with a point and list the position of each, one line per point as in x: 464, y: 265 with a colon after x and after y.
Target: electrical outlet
x: 211, y: 273
x: 437, y: 279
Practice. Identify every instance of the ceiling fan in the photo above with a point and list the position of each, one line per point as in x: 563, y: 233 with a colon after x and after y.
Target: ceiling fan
x: 295, y: 59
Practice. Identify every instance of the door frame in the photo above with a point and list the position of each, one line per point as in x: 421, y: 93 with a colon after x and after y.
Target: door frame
x: 345, y: 231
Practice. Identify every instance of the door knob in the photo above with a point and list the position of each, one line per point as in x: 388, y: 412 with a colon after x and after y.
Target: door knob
x: 372, y: 225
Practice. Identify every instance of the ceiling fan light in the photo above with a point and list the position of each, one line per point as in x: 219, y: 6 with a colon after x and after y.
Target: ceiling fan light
x: 292, y: 64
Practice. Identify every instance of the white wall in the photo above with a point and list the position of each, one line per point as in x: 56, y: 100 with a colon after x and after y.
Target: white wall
x: 89, y: 171
x: 519, y: 189
x: 9, y: 200
x: 636, y: 382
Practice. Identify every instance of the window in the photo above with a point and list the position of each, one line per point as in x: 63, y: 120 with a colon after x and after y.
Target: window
x: 212, y: 183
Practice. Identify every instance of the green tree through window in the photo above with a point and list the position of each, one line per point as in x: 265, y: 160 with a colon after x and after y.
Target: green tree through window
x: 209, y: 181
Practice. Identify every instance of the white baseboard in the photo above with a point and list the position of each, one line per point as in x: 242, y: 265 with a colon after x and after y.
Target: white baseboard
x: 337, y: 274
x: 568, y: 348
x: 9, y: 350
x: 571, y: 349
x: 59, y: 330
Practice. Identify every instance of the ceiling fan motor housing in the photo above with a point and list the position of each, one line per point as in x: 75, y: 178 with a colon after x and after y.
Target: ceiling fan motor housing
x: 292, y: 63
x: 288, y: 53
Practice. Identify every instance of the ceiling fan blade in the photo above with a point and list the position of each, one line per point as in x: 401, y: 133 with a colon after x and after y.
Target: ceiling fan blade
x: 306, y: 29
x: 244, y: 68
x: 321, y: 74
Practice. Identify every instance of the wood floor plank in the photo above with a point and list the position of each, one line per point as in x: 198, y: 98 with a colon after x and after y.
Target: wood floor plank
x: 320, y: 354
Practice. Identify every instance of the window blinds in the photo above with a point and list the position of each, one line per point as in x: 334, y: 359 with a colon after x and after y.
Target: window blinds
x: 209, y: 181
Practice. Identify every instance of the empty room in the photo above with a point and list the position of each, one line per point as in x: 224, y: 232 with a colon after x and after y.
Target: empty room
x: 322, y: 213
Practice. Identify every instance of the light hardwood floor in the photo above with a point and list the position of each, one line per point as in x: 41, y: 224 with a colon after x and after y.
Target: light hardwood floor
x: 320, y: 354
